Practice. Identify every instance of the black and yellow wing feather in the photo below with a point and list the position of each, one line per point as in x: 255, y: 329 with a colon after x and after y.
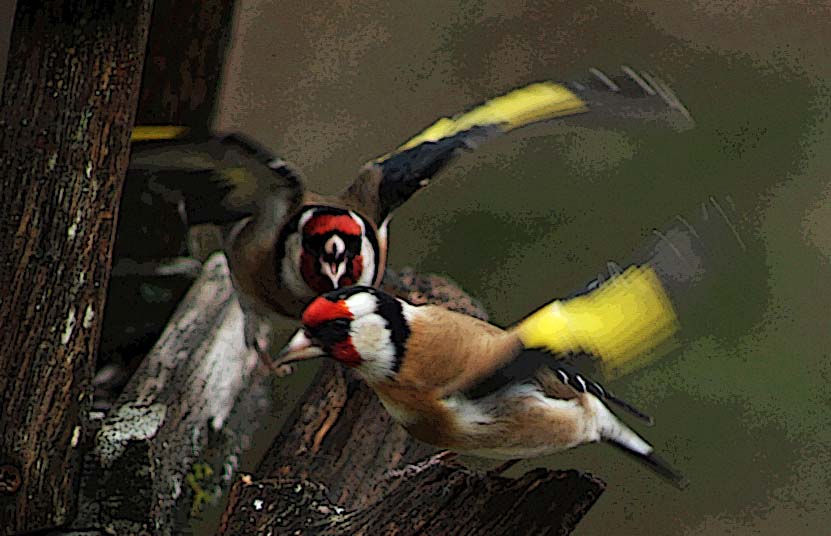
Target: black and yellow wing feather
x: 626, y: 314
x: 390, y: 180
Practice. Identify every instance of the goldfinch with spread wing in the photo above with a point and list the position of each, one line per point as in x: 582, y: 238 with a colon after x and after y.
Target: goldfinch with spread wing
x: 286, y: 245
x: 468, y: 386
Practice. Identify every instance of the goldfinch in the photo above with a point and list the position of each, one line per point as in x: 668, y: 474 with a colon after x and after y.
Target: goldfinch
x: 465, y: 385
x: 468, y: 386
x: 286, y: 245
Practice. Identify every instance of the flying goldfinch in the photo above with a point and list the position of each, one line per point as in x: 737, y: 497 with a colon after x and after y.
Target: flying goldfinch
x: 286, y: 245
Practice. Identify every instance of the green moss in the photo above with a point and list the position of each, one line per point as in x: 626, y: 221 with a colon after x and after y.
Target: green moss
x: 200, y: 472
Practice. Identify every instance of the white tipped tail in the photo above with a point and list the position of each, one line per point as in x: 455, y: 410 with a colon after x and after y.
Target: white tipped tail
x: 614, y: 432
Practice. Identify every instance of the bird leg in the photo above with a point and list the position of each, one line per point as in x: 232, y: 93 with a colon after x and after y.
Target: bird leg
x: 412, y: 470
x: 261, y: 346
x: 502, y: 467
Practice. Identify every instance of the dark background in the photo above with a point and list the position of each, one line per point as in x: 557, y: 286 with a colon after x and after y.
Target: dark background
x: 742, y: 408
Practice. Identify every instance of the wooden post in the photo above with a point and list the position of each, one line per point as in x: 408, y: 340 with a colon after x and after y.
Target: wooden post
x: 185, y: 55
x: 180, y: 86
x: 68, y: 105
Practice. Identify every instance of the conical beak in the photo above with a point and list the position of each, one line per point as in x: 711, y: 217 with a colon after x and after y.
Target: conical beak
x: 299, y: 348
x: 333, y: 270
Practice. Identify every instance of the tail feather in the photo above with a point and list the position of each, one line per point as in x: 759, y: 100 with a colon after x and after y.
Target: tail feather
x: 616, y: 433
x: 657, y: 464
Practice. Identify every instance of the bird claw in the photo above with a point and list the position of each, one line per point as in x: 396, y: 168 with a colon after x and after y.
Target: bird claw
x: 501, y: 468
x: 411, y: 470
x: 280, y: 371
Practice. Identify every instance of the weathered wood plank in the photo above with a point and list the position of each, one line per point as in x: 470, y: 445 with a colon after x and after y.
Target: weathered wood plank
x: 441, y: 499
x: 69, y: 100
x: 190, y: 407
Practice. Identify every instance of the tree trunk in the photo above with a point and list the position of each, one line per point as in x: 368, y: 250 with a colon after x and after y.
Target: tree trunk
x: 68, y: 106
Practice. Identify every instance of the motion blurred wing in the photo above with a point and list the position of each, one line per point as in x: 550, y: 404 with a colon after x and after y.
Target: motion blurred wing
x: 220, y: 179
x: 389, y: 181
x: 623, y: 317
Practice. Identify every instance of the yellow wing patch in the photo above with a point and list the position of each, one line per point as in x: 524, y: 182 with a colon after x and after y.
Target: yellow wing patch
x: 157, y: 133
x: 624, y: 319
x: 523, y: 106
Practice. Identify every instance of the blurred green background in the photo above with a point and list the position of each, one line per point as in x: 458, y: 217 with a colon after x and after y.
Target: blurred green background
x: 743, y: 410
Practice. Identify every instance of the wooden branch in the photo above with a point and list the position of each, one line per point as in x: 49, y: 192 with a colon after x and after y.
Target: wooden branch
x: 68, y: 104
x: 441, y: 499
x: 189, y: 408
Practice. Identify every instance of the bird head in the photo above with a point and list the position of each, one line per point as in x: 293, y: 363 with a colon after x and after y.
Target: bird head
x: 361, y: 327
x: 336, y: 249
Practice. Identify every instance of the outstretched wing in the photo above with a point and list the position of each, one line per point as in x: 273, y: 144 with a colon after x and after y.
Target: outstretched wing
x: 387, y: 182
x: 220, y: 179
x: 622, y: 317
x: 627, y: 316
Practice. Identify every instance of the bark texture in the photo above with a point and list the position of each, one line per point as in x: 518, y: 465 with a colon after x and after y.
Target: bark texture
x: 69, y: 100
x: 186, y: 52
x: 174, y: 436
x: 441, y: 499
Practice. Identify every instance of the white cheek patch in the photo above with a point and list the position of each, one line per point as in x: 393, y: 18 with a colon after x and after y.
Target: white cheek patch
x: 304, y: 219
x: 372, y: 341
x: 361, y: 304
x: 290, y: 267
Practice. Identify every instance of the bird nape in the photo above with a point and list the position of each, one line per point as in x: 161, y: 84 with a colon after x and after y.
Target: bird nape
x: 286, y: 244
